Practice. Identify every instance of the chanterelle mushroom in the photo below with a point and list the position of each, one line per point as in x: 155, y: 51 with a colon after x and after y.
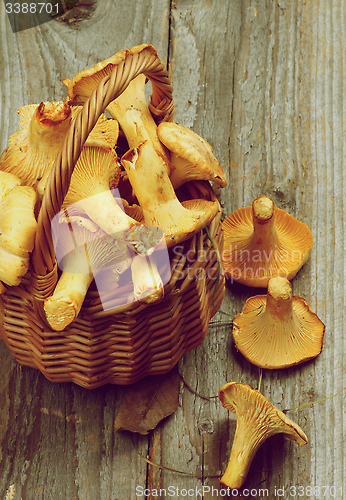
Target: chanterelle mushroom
x: 192, y: 157
x: 257, y: 420
x: 262, y: 241
x: 82, y: 250
x: 95, y: 175
x: 278, y: 330
x: 17, y: 228
x: 92, y: 192
x: 33, y: 149
x: 155, y: 193
x: 130, y: 108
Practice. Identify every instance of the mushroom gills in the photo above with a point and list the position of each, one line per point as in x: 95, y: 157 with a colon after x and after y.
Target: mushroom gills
x: 257, y: 420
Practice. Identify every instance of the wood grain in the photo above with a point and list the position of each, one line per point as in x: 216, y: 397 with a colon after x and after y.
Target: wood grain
x: 263, y: 82
x: 58, y: 441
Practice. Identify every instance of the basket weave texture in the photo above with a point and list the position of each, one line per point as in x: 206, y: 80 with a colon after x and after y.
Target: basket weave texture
x: 114, y: 344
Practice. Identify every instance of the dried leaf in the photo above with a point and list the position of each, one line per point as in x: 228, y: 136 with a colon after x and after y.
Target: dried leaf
x: 147, y: 402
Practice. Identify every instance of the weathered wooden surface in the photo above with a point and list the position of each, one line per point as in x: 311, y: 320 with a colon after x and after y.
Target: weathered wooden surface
x: 263, y: 82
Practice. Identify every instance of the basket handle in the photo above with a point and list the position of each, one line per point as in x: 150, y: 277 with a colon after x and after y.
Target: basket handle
x: 142, y: 59
x: 161, y: 106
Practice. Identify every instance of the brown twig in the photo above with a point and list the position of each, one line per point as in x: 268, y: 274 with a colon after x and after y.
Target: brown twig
x: 195, y: 392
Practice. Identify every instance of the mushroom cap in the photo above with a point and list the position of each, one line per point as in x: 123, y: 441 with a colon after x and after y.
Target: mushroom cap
x: 82, y: 85
x: 192, y: 158
x: 92, y: 190
x: 17, y: 232
x: 33, y: 149
x: 278, y: 330
x: 257, y: 420
x: 130, y: 108
x: 262, y: 241
x: 17, y: 221
x: 34, y: 146
x: 105, y: 133
x: 134, y: 211
x: 8, y: 181
x: 97, y: 170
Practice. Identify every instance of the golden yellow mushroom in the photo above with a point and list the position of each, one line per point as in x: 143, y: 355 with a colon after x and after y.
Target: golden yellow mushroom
x: 130, y: 108
x: 278, y: 330
x: 262, y: 241
x: 192, y: 156
x: 156, y: 196
x: 17, y: 228
x: 33, y: 149
x: 257, y: 420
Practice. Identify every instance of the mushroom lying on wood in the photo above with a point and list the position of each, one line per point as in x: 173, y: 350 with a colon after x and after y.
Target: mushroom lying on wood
x: 191, y: 156
x: 257, y: 420
x: 262, y: 241
x: 17, y: 228
x: 33, y: 149
x: 156, y: 196
x: 284, y: 333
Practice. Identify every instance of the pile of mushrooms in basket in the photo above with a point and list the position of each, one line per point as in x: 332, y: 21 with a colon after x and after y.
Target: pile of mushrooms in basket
x: 122, y: 200
x: 130, y: 193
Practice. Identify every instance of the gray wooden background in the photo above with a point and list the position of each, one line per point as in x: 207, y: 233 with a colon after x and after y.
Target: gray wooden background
x: 263, y: 81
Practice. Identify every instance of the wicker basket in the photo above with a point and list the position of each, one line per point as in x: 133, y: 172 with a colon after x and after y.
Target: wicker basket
x: 114, y: 344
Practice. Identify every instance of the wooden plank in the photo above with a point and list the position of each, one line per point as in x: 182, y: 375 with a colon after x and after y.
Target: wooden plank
x: 34, y: 62
x: 262, y: 81
x: 58, y: 441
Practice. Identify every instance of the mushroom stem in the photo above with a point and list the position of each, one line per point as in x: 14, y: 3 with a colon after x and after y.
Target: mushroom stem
x: 155, y: 193
x: 147, y: 282
x: 66, y: 302
x: 279, y: 299
x: 80, y: 253
x: 262, y: 241
x: 103, y: 209
x: 49, y: 125
x: 263, y: 221
x: 257, y: 420
x: 34, y: 147
x: 132, y: 112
